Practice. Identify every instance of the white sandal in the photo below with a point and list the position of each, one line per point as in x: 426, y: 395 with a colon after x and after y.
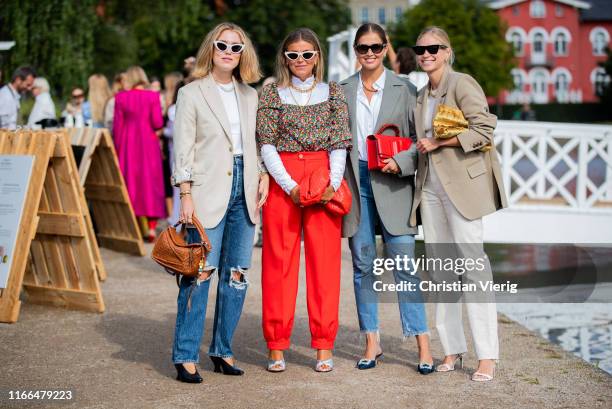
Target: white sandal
x: 450, y: 367
x: 482, y: 377
x: 324, y: 365
x: 276, y: 366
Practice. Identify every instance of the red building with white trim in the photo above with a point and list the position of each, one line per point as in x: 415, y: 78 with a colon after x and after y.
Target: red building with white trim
x: 558, y: 44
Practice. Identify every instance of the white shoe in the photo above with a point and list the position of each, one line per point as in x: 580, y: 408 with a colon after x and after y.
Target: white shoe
x: 450, y: 367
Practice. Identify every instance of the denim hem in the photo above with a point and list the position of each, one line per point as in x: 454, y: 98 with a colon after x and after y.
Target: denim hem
x: 221, y: 355
x: 415, y: 333
x: 186, y: 362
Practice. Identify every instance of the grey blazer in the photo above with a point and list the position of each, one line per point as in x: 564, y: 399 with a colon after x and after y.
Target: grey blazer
x: 393, y: 193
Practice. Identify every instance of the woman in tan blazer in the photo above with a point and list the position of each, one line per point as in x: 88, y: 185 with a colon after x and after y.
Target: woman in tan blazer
x: 458, y: 182
x: 223, y: 182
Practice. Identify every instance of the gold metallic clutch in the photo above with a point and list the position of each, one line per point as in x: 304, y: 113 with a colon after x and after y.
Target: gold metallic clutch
x: 449, y: 122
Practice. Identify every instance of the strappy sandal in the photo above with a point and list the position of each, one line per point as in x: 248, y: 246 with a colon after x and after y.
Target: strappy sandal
x: 324, y: 365
x: 276, y: 366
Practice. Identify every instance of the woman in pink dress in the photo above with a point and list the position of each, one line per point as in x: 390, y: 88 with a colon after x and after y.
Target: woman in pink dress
x: 138, y: 115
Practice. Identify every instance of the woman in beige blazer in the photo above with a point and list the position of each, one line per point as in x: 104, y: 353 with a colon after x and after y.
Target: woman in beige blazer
x: 458, y: 182
x: 223, y: 182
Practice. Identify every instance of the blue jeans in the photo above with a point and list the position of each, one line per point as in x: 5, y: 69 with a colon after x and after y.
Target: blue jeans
x: 363, y: 251
x: 232, y: 248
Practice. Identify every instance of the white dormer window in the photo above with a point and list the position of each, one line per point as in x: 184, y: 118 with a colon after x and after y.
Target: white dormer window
x: 537, y: 9
x: 599, y: 38
x: 561, y: 44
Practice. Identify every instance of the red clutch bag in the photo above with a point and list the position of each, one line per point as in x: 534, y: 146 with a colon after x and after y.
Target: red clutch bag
x: 313, y: 186
x: 382, y: 147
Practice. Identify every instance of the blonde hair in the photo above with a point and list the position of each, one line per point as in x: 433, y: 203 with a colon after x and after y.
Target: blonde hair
x: 99, y: 93
x: 136, y: 76
x: 247, y: 70
x: 441, y: 35
x: 301, y: 34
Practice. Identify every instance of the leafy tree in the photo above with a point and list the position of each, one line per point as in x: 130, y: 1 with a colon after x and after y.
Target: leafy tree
x: 54, y: 36
x: 476, y: 33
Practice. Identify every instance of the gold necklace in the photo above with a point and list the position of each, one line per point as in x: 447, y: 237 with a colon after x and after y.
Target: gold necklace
x: 304, y: 90
x: 368, y: 89
x: 297, y: 103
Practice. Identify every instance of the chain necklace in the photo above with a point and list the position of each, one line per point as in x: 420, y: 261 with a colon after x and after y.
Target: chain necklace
x: 368, y: 89
x: 304, y: 90
x: 295, y: 100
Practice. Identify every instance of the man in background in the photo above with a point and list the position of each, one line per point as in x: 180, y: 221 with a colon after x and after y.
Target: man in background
x: 10, y: 95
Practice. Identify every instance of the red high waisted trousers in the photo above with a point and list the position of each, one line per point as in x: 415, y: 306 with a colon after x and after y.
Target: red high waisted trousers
x: 283, y: 222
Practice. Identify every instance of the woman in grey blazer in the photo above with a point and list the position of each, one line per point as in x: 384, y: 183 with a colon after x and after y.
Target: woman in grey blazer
x: 375, y: 97
x: 458, y: 182
x: 222, y: 181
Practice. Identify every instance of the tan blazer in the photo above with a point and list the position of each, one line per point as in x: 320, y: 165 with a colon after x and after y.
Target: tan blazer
x: 472, y: 179
x: 203, y: 150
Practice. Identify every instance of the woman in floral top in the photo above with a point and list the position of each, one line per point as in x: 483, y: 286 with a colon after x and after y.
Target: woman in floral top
x: 302, y: 125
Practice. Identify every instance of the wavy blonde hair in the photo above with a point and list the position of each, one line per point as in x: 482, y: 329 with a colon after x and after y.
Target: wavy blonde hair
x: 283, y: 74
x: 136, y: 76
x: 441, y: 35
x: 247, y: 71
x: 99, y: 93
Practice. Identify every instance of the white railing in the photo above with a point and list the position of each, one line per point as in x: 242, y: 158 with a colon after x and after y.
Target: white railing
x: 556, y: 164
x: 342, y: 59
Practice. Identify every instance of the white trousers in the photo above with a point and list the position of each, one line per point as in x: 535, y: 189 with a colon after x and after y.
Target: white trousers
x: 442, y: 223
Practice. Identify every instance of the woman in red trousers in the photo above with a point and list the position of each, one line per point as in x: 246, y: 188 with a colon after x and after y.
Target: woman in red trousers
x: 302, y: 125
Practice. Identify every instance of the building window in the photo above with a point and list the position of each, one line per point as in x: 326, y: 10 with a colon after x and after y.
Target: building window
x: 364, y: 15
x: 515, y: 10
x: 559, y: 10
x: 600, y: 80
x: 538, y: 43
x: 537, y: 9
x: 517, y: 78
x: 382, y: 17
x: 517, y: 43
x: 562, y: 87
x: 599, y: 39
x: 561, y: 44
x: 398, y: 13
x: 539, y: 83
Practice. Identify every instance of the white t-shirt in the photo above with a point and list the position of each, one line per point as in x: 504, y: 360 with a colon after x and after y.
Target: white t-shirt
x: 367, y: 113
x: 230, y: 103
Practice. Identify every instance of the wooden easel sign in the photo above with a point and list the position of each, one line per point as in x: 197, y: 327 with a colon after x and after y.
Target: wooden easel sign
x: 15, y: 173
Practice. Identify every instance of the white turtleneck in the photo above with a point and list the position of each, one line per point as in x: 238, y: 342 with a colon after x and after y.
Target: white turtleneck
x: 269, y: 154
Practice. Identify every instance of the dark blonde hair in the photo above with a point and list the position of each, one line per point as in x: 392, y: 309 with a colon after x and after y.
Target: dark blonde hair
x: 283, y: 74
x: 247, y: 70
x: 442, y: 36
x: 136, y: 76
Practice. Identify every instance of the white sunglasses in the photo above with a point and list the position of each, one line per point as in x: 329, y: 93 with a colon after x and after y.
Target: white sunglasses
x: 294, y: 55
x: 234, y: 48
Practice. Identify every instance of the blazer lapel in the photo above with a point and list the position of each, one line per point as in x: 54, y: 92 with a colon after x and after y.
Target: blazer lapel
x: 213, y: 99
x: 350, y: 92
x: 418, y: 113
x: 391, y: 94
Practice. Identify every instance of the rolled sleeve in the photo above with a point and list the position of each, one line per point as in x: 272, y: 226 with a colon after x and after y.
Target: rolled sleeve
x: 184, y: 139
x: 472, y: 102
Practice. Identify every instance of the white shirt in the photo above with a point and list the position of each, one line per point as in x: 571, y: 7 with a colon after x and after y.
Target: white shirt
x: 9, y: 107
x: 367, y: 113
x: 292, y: 97
x: 230, y: 103
x: 44, y: 108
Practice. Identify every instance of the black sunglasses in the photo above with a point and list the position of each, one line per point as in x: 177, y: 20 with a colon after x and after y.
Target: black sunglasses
x: 376, y: 48
x: 431, y: 49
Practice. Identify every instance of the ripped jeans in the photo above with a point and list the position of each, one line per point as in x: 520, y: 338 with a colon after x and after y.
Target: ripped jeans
x: 232, y: 248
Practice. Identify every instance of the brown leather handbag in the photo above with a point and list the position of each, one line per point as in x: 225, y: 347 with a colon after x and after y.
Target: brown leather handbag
x: 172, y: 252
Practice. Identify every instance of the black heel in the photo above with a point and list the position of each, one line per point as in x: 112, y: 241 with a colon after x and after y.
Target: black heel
x: 222, y: 366
x: 184, y: 376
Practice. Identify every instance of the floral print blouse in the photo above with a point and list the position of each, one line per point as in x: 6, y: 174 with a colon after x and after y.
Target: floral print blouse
x: 295, y: 128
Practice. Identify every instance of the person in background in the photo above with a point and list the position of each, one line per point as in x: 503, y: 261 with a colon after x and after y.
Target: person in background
x: 171, y: 82
x: 119, y: 84
x: 169, y: 138
x: 167, y: 99
x: 74, y: 115
x: 44, y: 107
x: 21, y: 81
x: 137, y: 117
x: 97, y: 98
x: 188, y: 68
x: 525, y: 113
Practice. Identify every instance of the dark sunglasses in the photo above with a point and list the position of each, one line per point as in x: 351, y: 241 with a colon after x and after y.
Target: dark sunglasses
x: 431, y: 49
x: 234, y: 48
x: 294, y: 55
x: 78, y: 95
x: 376, y: 48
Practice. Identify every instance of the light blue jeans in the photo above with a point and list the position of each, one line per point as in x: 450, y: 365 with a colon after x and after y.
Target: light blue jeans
x: 232, y: 248
x: 363, y: 251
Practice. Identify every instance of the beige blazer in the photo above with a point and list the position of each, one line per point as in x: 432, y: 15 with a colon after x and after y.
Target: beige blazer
x: 471, y: 179
x: 203, y: 150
